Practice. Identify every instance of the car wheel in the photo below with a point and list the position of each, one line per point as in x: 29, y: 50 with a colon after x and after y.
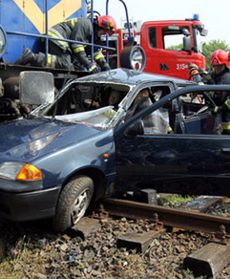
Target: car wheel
x: 73, y: 203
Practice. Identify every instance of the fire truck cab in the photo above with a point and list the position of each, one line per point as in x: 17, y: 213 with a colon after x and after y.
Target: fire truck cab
x: 169, y: 45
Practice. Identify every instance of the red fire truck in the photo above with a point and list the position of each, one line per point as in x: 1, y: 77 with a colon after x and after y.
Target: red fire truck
x: 169, y: 46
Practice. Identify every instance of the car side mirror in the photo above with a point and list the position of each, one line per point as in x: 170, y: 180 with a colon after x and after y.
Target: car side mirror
x: 185, y: 31
x: 203, y: 32
x: 135, y: 129
x: 36, y: 88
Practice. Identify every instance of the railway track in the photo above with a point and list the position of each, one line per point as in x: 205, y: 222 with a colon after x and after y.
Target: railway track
x: 177, y: 218
x: 209, y: 261
x: 153, y: 252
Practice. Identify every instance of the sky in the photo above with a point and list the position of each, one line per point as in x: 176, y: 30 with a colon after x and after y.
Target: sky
x: 213, y: 14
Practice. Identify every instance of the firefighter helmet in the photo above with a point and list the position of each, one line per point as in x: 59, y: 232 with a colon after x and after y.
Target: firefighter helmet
x: 107, y: 23
x: 219, y: 57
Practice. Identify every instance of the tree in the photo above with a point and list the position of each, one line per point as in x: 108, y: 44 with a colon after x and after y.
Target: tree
x: 211, y: 46
x: 175, y: 47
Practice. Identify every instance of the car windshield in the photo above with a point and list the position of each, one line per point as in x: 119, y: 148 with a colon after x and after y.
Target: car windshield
x: 94, y: 104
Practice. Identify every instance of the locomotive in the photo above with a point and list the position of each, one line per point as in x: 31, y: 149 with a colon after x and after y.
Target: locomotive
x: 24, y: 24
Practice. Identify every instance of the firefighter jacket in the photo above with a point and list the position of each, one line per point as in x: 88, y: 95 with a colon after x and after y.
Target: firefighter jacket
x: 223, y: 100
x: 77, y: 29
x: 222, y: 78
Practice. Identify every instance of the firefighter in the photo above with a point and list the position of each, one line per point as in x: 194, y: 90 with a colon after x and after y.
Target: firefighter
x: 64, y: 55
x: 220, y: 74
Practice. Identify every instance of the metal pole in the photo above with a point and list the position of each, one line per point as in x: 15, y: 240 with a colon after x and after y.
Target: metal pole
x: 92, y: 36
x: 46, y: 30
x: 107, y: 37
x: 107, y: 7
x: 130, y: 38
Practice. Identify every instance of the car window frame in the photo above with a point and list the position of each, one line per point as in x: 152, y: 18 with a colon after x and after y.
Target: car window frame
x: 120, y: 130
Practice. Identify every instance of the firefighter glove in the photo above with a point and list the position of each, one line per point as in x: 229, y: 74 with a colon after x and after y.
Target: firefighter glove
x: 217, y: 109
x: 193, y: 69
x: 93, y: 69
x: 105, y: 67
x: 103, y: 64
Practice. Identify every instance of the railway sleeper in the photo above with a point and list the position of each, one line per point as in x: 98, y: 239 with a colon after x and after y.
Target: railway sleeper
x: 85, y: 227
x: 138, y: 241
x: 209, y: 260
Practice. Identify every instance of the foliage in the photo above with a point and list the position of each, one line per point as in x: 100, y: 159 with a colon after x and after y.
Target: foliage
x: 175, y: 47
x: 173, y: 199
x: 211, y: 46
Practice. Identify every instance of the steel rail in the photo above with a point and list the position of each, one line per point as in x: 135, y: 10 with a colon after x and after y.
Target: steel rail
x: 172, y: 217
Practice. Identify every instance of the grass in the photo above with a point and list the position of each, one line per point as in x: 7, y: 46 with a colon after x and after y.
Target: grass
x: 173, y: 199
x: 22, y: 263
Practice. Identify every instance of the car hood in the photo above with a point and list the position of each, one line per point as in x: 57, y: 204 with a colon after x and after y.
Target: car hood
x: 26, y: 139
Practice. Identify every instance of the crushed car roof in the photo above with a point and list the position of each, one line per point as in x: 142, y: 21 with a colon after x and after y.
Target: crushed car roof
x: 131, y: 77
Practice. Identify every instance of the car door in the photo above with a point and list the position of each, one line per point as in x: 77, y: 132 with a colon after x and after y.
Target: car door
x: 198, y: 158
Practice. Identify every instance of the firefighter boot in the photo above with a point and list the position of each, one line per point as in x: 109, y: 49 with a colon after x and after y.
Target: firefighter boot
x: 27, y: 58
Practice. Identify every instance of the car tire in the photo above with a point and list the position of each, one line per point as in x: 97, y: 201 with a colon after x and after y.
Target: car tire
x: 73, y: 203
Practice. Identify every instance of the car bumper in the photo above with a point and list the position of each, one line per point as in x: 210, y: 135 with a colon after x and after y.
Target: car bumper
x: 28, y: 206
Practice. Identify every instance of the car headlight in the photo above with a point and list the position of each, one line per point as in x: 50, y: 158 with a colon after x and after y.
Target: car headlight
x: 20, y: 171
x: 2, y: 41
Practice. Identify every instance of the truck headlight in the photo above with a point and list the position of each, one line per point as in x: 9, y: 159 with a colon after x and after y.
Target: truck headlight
x: 133, y: 57
x: 2, y: 41
x: 20, y: 171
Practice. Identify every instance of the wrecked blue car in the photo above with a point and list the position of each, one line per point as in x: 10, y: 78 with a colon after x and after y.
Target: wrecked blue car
x: 106, y: 134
